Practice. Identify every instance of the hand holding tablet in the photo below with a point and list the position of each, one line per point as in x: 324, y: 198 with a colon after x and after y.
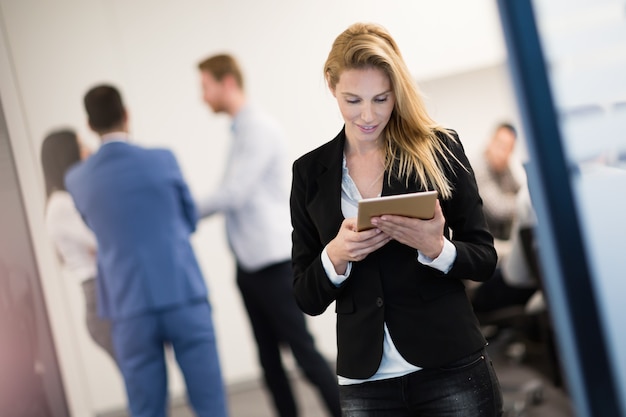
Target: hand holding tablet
x: 420, y: 205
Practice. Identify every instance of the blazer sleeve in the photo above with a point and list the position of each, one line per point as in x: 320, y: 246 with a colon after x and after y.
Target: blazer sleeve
x: 476, y: 256
x: 313, y: 291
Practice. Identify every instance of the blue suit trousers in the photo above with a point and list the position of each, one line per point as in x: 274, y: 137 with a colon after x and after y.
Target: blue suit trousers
x: 140, y: 350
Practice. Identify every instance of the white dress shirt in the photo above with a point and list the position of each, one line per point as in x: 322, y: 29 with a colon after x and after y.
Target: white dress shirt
x: 254, y: 192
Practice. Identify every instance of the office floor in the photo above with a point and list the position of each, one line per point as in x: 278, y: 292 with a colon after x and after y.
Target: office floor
x: 519, y: 380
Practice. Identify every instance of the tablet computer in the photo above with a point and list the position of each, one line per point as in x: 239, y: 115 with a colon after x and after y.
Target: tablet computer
x: 420, y: 205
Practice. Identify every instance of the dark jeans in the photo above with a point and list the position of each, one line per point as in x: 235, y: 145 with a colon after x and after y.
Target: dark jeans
x: 276, y: 321
x: 465, y: 388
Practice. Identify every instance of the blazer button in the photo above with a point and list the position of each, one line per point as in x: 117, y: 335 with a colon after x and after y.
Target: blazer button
x: 379, y: 302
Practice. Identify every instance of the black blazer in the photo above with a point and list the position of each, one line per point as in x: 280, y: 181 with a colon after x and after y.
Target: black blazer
x: 428, y: 314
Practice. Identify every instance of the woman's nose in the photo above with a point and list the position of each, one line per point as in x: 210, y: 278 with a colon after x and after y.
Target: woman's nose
x: 367, y: 113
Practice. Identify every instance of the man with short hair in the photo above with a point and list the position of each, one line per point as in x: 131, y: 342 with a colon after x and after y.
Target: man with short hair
x: 149, y: 282
x: 254, y: 197
x: 497, y: 181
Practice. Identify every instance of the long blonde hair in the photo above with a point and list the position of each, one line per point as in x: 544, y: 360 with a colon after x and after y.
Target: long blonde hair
x: 410, y: 137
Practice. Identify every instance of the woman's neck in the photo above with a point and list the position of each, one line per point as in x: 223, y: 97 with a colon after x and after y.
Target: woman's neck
x: 366, y: 167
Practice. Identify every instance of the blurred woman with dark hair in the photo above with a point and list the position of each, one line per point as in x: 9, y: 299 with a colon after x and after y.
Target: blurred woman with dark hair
x: 73, y: 240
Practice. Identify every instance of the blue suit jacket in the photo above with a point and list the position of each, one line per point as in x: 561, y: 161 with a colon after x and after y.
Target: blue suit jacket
x: 140, y: 209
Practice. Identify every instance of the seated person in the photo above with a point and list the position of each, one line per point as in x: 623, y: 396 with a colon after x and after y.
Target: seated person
x: 497, y: 181
x: 516, y: 278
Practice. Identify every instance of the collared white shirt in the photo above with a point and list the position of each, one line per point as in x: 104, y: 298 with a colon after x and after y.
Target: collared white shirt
x: 114, y: 137
x: 254, y: 192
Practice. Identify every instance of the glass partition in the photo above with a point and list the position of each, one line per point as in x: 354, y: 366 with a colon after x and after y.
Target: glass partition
x: 30, y: 379
x: 568, y: 62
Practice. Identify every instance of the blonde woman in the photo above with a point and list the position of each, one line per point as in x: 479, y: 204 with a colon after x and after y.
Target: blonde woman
x: 408, y: 341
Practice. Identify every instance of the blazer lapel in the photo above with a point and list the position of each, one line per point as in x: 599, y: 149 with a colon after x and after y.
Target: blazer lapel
x: 327, y: 202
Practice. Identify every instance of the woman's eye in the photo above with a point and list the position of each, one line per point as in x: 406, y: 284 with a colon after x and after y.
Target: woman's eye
x: 380, y: 99
x: 353, y: 101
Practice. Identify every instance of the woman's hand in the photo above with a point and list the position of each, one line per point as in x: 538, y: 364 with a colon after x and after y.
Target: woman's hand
x: 350, y: 245
x: 424, y: 235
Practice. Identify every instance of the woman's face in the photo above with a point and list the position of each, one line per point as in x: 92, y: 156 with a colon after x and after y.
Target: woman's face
x: 366, y: 101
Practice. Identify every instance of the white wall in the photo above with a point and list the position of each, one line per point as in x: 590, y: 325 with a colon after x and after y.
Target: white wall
x: 472, y: 103
x: 57, y: 49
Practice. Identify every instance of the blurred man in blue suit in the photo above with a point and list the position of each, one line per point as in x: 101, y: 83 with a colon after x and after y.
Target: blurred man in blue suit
x: 149, y: 282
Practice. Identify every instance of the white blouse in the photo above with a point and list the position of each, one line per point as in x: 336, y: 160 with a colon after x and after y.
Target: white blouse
x: 74, y: 241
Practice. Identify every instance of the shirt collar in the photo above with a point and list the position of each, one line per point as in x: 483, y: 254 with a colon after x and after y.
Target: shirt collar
x: 114, y: 137
x: 241, y: 114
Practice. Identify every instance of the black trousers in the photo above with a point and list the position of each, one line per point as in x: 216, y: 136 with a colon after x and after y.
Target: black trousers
x: 277, y: 321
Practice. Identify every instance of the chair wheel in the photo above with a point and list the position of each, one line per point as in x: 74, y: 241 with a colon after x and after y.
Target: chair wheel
x: 536, y: 397
x: 534, y: 392
x: 515, y: 409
